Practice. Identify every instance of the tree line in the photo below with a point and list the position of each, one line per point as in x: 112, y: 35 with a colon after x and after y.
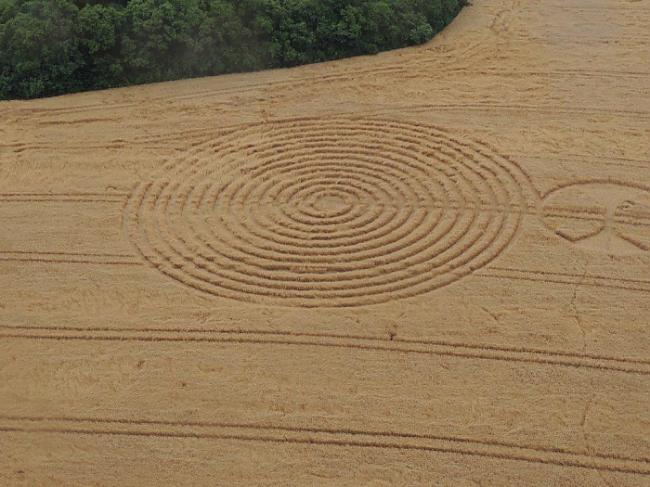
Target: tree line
x: 51, y: 47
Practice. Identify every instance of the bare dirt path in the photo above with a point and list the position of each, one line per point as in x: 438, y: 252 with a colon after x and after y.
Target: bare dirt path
x: 426, y: 267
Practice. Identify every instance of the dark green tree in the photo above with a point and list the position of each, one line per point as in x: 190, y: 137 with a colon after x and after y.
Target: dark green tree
x: 39, y: 48
x: 99, y: 31
x: 50, y: 47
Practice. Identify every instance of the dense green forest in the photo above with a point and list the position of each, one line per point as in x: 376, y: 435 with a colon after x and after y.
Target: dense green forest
x: 50, y: 47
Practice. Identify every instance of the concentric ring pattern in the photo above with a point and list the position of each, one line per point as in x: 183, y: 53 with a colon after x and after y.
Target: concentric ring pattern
x: 328, y: 212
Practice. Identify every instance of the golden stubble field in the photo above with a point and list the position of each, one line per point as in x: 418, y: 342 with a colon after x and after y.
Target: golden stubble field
x: 426, y: 267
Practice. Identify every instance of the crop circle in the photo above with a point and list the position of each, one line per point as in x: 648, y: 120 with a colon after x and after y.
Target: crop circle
x: 327, y: 212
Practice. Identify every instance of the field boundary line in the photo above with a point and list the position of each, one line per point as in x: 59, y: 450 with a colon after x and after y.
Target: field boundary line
x: 387, y: 440
x: 541, y: 277
x: 68, y: 197
x: 356, y: 342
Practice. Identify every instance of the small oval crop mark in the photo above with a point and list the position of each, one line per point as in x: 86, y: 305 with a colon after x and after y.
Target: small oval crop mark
x: 606, y: 216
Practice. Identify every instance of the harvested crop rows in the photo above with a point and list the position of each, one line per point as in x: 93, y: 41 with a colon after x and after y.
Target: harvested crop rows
x: 425, y: 267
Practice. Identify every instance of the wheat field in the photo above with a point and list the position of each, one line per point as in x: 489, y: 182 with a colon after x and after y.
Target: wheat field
x: 425, y: 267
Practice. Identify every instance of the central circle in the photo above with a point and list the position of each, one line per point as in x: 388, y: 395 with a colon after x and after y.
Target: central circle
x: 328, y: 212
x: 330, y: 203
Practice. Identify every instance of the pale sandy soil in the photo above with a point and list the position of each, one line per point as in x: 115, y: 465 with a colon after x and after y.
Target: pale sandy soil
x: 427, y: 267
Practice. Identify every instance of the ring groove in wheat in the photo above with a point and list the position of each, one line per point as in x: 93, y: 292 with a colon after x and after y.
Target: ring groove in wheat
x: 329, y: 212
